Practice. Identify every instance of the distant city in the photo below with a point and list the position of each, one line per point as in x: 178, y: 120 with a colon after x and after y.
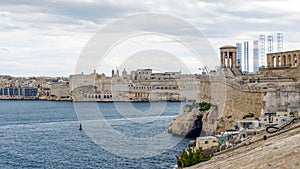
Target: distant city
x: 260, y: 47
x: 145, y: 85
x: 139, y: 85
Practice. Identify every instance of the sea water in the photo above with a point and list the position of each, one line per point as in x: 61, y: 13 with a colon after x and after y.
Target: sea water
x: 45, y: 134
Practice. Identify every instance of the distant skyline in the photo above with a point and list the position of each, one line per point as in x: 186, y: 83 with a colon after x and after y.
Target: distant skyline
x: 46, y: 37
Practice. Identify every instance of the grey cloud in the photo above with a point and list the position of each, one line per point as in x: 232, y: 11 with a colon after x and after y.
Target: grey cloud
x: 74, y: 9
x: 51, y: 22
x: 4, y: 50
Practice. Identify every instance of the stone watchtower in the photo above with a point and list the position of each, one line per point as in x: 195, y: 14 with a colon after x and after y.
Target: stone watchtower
x: 228, y: 56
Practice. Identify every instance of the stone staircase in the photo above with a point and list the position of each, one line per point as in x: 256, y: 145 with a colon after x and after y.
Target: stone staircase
x: 236, y: 72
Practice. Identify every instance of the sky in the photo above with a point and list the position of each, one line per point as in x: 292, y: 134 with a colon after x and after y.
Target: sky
x: 47, y: 37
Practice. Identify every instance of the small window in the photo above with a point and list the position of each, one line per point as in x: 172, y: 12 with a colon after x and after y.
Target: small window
x: 214, y: 141
x: 206, y: 142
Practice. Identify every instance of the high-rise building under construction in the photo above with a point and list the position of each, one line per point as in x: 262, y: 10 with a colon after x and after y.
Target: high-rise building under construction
x: 262, y: 48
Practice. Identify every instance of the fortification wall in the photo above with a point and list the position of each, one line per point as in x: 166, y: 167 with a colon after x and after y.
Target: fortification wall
x: 281, y: 96
x: 291, y: 72
x: 233, y: 100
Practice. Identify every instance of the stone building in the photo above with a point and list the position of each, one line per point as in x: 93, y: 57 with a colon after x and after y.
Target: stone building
x: 283, y: 59
x: 269, y: 90
x: 82, y: 79
x: 207, y: 142
x: 60, y: 91
x: 228, y: 56
x: 140, y: 85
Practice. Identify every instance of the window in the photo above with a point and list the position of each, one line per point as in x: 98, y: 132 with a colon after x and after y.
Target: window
x: 206, y: 142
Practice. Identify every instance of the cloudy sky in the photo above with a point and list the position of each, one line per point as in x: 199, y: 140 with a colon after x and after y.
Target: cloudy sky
x: 46, y: 37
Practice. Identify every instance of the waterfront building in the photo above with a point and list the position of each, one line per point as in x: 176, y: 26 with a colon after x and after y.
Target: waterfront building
x: 140, y: 85
x: 125, y: 75
x: 18, y: 93
x: 143, y: 74
x: 59, y: 91
x: 82, y: 79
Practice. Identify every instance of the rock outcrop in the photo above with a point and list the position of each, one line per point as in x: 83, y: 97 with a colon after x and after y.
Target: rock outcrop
x: 184, y: 122
x: 190, y: 122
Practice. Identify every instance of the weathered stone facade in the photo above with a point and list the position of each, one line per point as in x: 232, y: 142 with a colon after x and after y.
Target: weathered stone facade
x: 291, y: 72
x: 140, y: 85
x: 233, y: 100
x: 283, y: 59
x: 281, y: 96
x: 235, y: 97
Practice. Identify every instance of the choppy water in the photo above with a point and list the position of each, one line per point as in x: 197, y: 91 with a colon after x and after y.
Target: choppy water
x: 44, y: 134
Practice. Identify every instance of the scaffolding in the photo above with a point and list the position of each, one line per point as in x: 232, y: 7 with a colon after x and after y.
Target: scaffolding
x: 279, y: 42
x: 270, y: 44
x: 262, y: 52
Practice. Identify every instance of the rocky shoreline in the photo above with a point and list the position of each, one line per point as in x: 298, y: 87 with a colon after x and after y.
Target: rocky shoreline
x: 190, y: 122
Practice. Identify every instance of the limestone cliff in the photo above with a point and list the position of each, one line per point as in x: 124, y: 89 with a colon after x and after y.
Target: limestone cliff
x: 191, y: 122
x: 183, y: 123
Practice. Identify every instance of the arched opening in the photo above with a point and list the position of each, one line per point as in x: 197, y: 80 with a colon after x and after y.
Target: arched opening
x: 274, y: 61
x: 230, y: 59
x: 289, y: 61
x: 284, y: 61
x: 278, y: 61
x: 295, y: 61
x: 225, y: 59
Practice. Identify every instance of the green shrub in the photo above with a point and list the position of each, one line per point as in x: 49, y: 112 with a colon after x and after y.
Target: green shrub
x: 204, y: 106
x: 189, y: 157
